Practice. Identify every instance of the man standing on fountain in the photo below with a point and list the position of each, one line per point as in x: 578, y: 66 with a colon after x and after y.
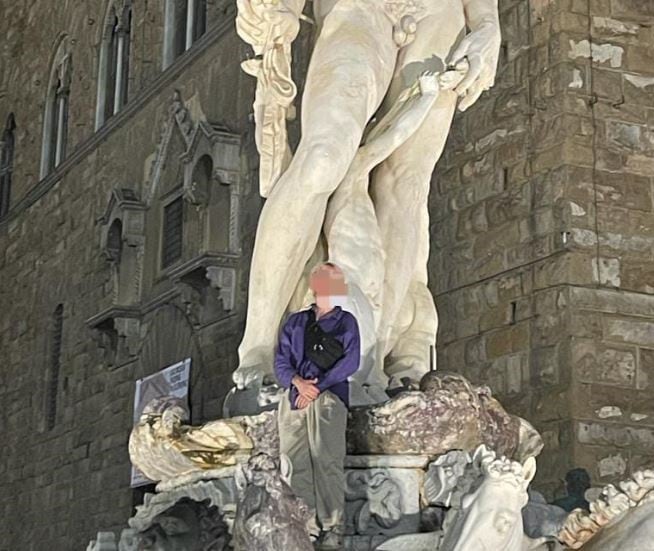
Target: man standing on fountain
x: 318, y: 350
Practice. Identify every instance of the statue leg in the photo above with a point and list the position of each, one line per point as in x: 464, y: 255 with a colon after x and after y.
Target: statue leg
x: 400, y: 191
x: 351, y: 67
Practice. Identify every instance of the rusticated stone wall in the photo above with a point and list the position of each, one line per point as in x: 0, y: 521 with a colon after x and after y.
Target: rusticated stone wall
x: 542, y: 247
x: 543, y: 233
x: 63, y: 483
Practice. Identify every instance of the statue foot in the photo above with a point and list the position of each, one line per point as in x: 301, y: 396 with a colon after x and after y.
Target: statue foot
x: 406, y: 373
x: 395, y: 385
x: 247, y: 376
x: 256, y: 389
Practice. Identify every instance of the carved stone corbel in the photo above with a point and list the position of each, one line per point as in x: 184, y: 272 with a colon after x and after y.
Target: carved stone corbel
x: 117, y: 331
x: 207, y: 287
x: 223, y: 279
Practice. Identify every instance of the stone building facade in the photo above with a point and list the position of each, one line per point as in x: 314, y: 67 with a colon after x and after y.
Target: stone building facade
x: 129, y: 201
x: 543, y: 233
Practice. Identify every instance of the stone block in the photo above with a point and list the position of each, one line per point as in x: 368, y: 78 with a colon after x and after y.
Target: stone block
x: 619, y: 436
x: 597, y: 363
x: 638, y: 276
x: 608, y: 27
x: 607, y: 84
x: 545, y: 366
x: 645, y: 376
x: 612, y: 466
x: 630, y: 331
x: 508, y: 340
x: 634, y: 10
x: 638, y: 89
x: 639, y: 59
x: 628, y: 190
x: 606, y: 271
x: 611, y: 301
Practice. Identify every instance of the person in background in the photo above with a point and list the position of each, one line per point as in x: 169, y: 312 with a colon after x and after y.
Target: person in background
x: 313, y: 411
x: 577, y: 481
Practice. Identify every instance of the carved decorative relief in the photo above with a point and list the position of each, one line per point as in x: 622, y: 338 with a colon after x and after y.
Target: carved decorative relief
x: 122, y: 240
x: 203, y: 160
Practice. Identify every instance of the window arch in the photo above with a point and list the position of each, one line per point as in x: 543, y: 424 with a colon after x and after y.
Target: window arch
x: 114, y: 245
x: 113, y: 75
x: 185, y: 22
x: 6, y: 164
x: 55, y: 116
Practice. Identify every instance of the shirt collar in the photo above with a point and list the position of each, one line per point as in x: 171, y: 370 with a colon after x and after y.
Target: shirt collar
x: 334, y: 312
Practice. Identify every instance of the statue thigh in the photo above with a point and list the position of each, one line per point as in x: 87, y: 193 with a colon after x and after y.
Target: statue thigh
x: 350, y: 70
x: 400, y: 190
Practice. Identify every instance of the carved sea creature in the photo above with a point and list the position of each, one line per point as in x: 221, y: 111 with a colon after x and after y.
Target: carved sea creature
x: 447, y: 413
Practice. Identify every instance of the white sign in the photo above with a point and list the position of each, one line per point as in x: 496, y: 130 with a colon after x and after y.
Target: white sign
x: 170, y: 381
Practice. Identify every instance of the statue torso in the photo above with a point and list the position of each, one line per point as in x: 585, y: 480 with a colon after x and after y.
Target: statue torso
x: 395, y: 9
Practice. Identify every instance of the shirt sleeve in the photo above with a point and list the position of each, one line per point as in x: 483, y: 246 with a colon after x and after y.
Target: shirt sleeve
x: 284, y: 368
x: 349, y: 363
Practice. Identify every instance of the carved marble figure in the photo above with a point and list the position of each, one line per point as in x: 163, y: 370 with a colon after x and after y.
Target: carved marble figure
x: 621, y: 518
x: 162, y: 447
x: 367, y: 54
x: 447, y: 413
x: 490, y: 515
x: 269, y: 517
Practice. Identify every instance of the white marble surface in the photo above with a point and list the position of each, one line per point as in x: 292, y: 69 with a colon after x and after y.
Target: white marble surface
x: 391, y: 461
x: 367, y: 58
x: 428, y: 541
x: 382, y: 500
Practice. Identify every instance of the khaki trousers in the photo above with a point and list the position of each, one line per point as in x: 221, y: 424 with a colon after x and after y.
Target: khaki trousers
x: 313, y: 438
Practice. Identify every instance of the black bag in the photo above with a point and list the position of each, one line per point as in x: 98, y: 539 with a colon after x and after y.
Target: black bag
x: 320, y: 347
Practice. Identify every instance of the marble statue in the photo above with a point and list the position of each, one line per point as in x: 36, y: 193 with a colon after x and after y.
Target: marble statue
x: 269, y: 517
x: 375, y: 499
x: 407, y: 63
x: 490, y: 516
x: 447, y: 413
x: 621, y: 518
x: 163, y: 448
x: 443, y: 475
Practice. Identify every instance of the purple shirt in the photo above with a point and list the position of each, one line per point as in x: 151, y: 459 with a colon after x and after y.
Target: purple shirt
x: 290, y: 360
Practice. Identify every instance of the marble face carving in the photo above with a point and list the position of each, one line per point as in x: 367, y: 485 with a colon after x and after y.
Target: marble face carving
x: 376, y: 499
x: 447, y: 413
x: 443, y: 476
x: 490, y: 516
x: 380, y: 75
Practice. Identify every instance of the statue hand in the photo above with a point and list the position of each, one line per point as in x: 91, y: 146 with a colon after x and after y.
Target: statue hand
x: 261, y: 23
x: 481, y: 48
x: 452, y: 77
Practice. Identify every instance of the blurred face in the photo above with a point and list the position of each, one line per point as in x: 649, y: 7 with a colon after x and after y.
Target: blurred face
x: 328, y: 286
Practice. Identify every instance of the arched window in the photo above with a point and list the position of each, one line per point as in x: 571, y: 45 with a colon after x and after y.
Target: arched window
x: 52, y: 382
x: 6, y: 164
x: 185, y: 22
x: 55, y: 117
x: 113, y: 74
x: 114, y: 246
